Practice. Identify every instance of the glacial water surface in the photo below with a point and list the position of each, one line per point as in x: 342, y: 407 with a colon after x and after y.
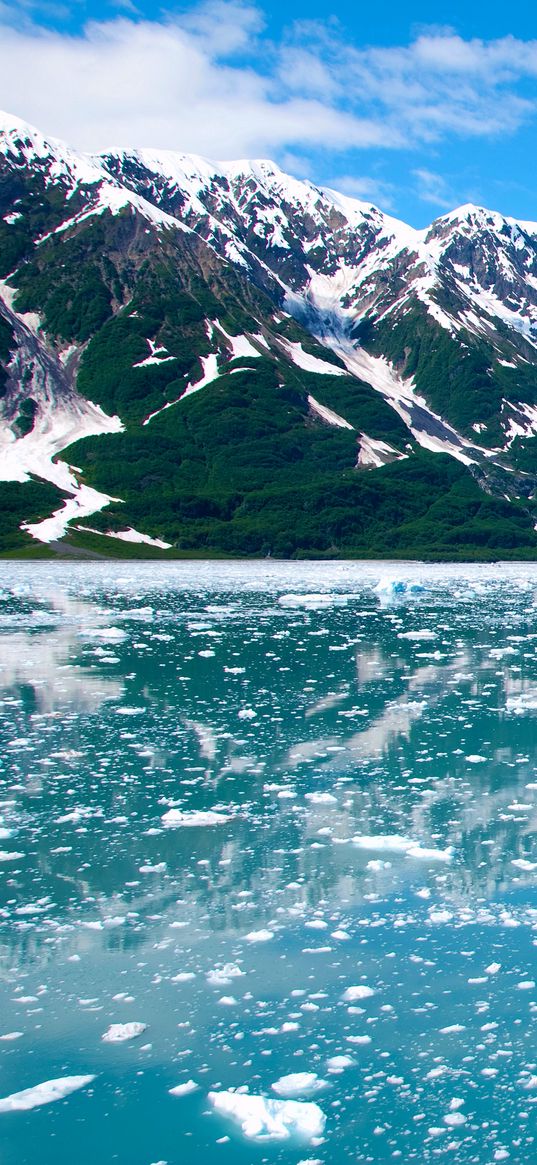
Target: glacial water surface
x: 268, y: 864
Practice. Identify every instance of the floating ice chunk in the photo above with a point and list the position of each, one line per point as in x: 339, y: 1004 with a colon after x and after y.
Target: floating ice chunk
x: 45, y: 1093
x: 159, y: 868
x: 352, y: 994
x: 321, y: 799
x: 5, y: 856
x: 247, y: 714
x: 426, y: 854
x: 340, y: 1063
x: 116, y: 634
x: 314, y: 601
x: 261, y: 1119
x: 219, y: 976
x: 179, y: 817
x: 184, y: 1089
x: 453, y: 1119
x: 391, y: 842
x: 298, y: 1084
x: 118, y: 1033
x: 440, y: 916
x: 475, y: 759
x: 523, y: 702
x: 526, y: 985
x: 417, y: 635
x: 493, y: 968
x: 388, y: 587
x: 524, y: 864
x: 259, y: 936
x: 396, y: 843
x: 12, y: 1036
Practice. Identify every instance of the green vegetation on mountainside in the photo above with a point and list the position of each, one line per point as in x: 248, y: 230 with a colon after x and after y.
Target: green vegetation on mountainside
x: 454, y: 374
x: 241, y: 469
x: 24, y: 502
x: 6, y: 345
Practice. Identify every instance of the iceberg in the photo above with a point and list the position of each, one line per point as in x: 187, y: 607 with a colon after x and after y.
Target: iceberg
x: 262, y: 1119
x: 175, y: 818
x: 45, y: 1093
x: 118, y: 1033
x: 298, y: 1084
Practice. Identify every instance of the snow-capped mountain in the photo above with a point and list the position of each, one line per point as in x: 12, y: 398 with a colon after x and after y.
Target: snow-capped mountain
x: 215, y: 336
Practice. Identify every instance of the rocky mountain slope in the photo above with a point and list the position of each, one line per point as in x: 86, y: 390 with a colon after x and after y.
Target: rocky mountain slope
x: 218, y: 358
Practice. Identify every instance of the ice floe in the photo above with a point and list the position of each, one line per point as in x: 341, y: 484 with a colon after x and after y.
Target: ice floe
x: 298, y: 1084
x: 263, y: 1119
x: 175, y: 818
x: 45, y: 1093
x: 119, y: 1033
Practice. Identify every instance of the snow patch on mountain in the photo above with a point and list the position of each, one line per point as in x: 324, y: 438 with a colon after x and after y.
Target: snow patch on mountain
x: 328, y: 415
x: 374, y: 453
x: 129, y: 535
x: 429, y: 430
x: 311, y: 363
x: 521, y: 421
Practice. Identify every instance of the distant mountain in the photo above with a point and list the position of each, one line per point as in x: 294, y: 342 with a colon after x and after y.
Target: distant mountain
x: 216, y: 358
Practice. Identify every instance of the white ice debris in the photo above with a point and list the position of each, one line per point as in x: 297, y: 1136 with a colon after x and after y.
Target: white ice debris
x: 45, y: 1093
x: 262, y: 1119
x: 395, y: 843
x: 298, y: 1084
x: 361, y: 991
x: 220, y: 976
x: 184, y: 1089
x: 119, y: 1033
x: 336, y: 1064
x: 175, y: 818
x: 391, y: 587
x: 384, y: 842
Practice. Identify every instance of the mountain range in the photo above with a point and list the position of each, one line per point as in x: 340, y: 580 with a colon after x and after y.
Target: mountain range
x: 214, y: 358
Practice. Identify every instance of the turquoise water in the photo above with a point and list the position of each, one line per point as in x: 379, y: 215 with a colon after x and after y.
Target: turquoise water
x: 279, y: 816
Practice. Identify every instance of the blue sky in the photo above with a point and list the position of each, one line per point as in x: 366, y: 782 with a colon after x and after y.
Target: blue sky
x: 381, y: 101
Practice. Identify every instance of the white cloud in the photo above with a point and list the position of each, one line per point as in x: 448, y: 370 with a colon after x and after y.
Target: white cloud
x: 163, y: 84
x: 431, y: 187
x: 367, y: 189
x: 210, y: 81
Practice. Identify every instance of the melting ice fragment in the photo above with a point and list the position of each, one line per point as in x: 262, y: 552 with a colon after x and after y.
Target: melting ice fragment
x: 352, y: 994
x: 395, y: 843
x: 44, y: 1093
x: 261, y: 1119
x: 118, y: 1033
x: 389, y: 587
x: 184, y: 1089
x: 298, y: 1084
x: 175, y: 818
